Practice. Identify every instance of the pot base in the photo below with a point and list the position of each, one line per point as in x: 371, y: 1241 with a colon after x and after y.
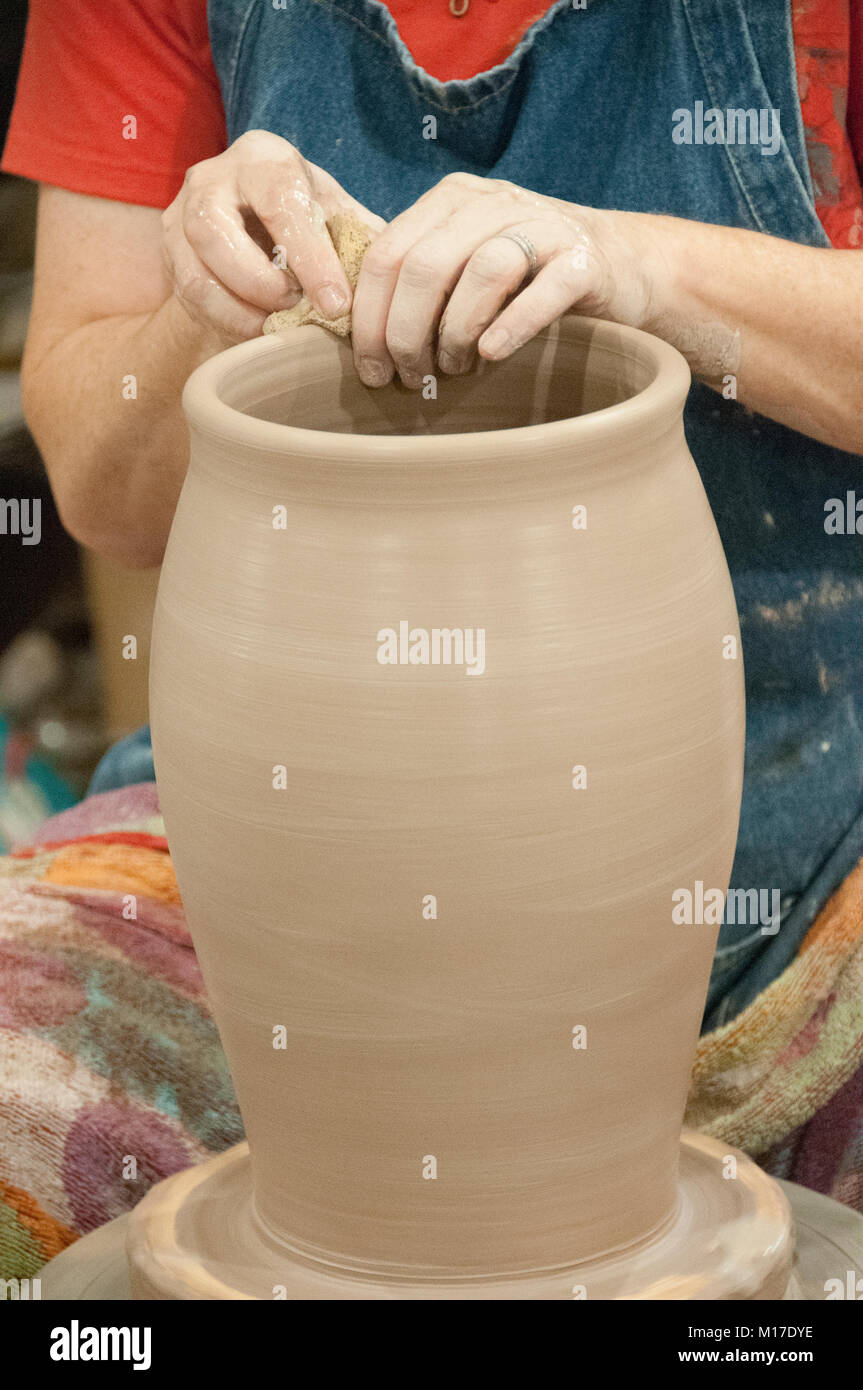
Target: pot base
x: 195, y: 1236
x: 828, y: 1237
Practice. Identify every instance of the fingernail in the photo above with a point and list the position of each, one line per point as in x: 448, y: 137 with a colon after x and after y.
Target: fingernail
x: 448, y: 363
x: 372, y: 372
x: 495, y: 342
x: 332, y: 301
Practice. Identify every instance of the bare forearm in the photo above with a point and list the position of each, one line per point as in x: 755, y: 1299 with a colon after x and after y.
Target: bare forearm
x: 104, y: 407
x: 784, y: 321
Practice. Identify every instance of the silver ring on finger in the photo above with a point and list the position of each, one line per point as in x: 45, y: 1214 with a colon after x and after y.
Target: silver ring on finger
x: 528, y: 248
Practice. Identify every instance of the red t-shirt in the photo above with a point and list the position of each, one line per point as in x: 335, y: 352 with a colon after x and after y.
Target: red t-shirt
x: 97, y: 63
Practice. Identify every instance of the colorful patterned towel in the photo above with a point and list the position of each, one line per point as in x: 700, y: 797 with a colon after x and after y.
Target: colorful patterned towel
x: 111, y: 1071
x: 112, y: 1076
x: 784, y: 1079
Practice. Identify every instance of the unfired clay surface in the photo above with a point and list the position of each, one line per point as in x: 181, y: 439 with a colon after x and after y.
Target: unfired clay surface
x: 196, y: 1236
x: 433, y: 906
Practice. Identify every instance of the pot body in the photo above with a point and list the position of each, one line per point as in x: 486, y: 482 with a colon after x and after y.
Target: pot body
x: 433, y: 900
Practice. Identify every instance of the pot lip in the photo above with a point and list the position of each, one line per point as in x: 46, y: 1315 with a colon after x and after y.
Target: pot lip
x: 647, y: 413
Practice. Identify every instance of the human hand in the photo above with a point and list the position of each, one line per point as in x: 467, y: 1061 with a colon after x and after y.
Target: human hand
x: 444, y: 279
x: 229, y: 216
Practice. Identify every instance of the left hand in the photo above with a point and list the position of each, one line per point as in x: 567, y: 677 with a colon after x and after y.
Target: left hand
x: 440, y: 283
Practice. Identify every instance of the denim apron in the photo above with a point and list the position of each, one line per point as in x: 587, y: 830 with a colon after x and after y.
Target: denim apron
x: 582, y: 110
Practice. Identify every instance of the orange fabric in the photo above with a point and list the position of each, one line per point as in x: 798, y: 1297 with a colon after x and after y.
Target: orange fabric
x: 839, y: 924
x: 115, y: 868
x: 51, y: 1236
x: 107, y: 837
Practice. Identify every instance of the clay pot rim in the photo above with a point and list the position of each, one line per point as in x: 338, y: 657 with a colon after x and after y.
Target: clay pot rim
x: 645, y: 414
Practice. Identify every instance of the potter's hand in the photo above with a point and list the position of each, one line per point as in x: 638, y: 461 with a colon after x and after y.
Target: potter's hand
x: 233, y: 212
x: 439, y: 281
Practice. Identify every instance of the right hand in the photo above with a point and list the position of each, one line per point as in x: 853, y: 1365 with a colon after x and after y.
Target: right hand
x: 232, y: 211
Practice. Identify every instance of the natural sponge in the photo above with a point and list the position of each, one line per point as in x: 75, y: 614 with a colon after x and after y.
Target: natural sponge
x: 352, y: 239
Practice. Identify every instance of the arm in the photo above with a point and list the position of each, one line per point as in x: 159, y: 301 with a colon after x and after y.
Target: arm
x: 798, y: 311
x: 785, y: 320
x: 103, y: 310
x: 124, y: 291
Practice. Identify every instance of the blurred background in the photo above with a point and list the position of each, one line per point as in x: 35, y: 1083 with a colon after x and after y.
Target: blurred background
x: 66, y: 691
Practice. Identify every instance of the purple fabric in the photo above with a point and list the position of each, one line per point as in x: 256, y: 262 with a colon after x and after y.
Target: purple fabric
x: 108, y: 810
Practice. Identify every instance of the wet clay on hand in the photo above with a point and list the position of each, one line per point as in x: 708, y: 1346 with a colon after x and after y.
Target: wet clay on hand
x: 352, y: 239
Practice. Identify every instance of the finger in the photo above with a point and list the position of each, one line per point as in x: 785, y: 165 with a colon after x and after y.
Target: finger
x: 213, y: 226
x: 434, y: 264
x: 429, y: 271
x: 559, y: 286
x: 330, y: 193
x: 278, y: 191
x: 381, y: 268
x: 494, y: 272
x: 206, y: 299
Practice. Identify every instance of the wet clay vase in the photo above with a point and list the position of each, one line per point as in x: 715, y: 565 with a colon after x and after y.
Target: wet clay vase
x: 447, y: 705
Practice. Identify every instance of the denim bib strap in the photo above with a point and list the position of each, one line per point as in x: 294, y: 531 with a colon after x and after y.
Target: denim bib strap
x: 777, y: 187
